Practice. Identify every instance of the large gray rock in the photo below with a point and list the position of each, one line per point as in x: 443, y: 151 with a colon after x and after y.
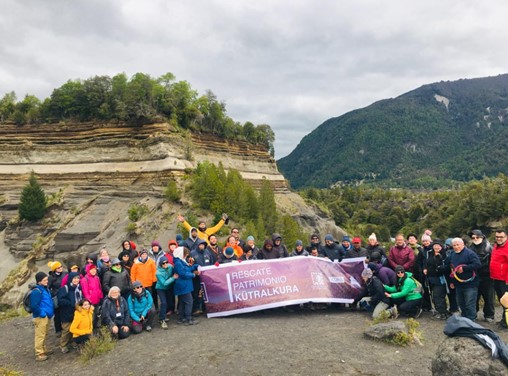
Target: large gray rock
x: 466, y: 357
x: 386, y: 330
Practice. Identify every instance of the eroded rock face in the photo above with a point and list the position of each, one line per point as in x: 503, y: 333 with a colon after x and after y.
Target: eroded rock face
x: 465, y: 357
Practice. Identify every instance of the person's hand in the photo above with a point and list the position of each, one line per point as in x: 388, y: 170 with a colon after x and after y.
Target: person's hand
x: 224, y: 216
x: 452, y: 286
x: 142, y: 318
x: 387, y: 294
x: 196, y: 272
x: 175, y: 276
x: 459, y: 270
x: 125, y: 328
x: 114, y: 329
x: 180, y: 218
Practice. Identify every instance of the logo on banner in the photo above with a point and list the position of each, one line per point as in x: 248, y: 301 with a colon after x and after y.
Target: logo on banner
x: 318, y: 280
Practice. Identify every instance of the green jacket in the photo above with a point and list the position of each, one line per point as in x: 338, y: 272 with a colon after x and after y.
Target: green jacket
x: 407, y: 289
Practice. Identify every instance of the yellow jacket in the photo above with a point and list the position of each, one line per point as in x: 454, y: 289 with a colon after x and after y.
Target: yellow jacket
x: 83, y: 322
x: 209, y: 231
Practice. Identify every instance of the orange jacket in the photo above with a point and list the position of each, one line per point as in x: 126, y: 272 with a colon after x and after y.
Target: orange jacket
x: 144, y: 272
x: 238, y: 250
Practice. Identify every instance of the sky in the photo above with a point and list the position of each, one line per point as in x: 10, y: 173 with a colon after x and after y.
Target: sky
x: 291, y: 64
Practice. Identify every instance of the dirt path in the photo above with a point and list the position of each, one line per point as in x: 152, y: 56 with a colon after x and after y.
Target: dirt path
x: 328, y: 342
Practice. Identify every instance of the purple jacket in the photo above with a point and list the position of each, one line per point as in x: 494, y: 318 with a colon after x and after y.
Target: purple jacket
x: 386, y: 275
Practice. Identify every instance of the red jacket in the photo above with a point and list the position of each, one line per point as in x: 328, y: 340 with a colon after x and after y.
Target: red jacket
x: 499, y: 262
x: 403, y: 255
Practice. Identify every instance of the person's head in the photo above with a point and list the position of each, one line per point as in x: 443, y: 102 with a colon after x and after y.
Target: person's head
x: 426, y: 240
x: 500, y: 237
x: 212, y: 239
x: 55, y: 266
x: 186, y: 252
x: 137, y: 287
x: 477, y: 237
x: 329, y: 240
x: 163, y: 262
x: 367, y: 274
x: 372, y: 240
x: 202, y: 226
x: 357, y: 242
x: 399, y: 240
x: 229, y: 252
x: 91, y: 269
x: 125, y: 257
x: 143, y: 255
x: 299, y: 245
x: 268, y: 245
x: 74, y: 278
x: 194, y: 232
x: 126, y: 245
x: 412, y: 239
x: 248, y: 253
x: 232, y: 240
x: 116, y: 265
x: 437, y: 246
x: 172, y: 244
x: 84, y: 304
x: 346, y: 241
x: 202, y: 245
x: 250, y: 241
x: 314, y: 239
x: 375, y: 257
x: 114, y: 292
x: 399, y: 271
x: 42, y: 279
x: 90, y: 260
x: 314, y: 252
x: 235, y: 232
x: 458, y: 245
x: 156, y: 246
x: 277, y: 239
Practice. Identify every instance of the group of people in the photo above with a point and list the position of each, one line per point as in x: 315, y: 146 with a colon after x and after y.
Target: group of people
x: 129, y: 292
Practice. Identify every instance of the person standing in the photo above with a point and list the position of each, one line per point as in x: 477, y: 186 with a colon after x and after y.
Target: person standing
x: 401, y: 254
x: 464, y: 264
x: 56, y: 275
x: 499, y: 269
x: 203, y: 232
x: 68, y: 296
x: 165, y: 278
x: 482, y: 247
x: 41, y: 304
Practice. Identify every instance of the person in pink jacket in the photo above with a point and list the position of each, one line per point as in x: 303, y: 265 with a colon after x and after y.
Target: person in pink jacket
x: 92, y: 289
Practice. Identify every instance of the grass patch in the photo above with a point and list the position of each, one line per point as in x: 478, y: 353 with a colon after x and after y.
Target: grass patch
x: 9, y: 372
x: 98, y: 344
x: 11, y: 313
x: 412, y: 336
x: 384, y: 316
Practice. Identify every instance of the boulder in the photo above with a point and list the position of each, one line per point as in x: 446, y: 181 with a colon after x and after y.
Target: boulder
x: 386, y: 331
x: 465, y: 357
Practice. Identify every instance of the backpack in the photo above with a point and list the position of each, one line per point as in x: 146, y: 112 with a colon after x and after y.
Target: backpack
x: 26, y: 297
x: 419, y: 288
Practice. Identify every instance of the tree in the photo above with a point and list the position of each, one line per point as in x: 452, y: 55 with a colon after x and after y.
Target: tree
x: 32, y: 204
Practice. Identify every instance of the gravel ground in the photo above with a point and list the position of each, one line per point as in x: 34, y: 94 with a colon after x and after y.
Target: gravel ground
x: 273, y: 342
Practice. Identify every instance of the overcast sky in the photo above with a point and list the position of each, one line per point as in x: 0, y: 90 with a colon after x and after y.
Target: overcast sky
x: 289, y: 63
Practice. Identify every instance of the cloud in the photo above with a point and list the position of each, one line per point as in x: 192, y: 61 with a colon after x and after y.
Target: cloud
x: 290, y: 64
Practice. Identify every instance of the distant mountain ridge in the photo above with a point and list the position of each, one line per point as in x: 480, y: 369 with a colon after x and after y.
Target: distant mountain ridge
x: 446, y: 131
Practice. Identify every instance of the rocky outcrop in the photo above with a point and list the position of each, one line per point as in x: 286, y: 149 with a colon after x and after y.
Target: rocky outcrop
x: 465, y: 357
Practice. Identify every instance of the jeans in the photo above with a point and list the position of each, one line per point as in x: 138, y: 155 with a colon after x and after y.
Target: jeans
x: 439, y: 298
x: 185, y: 306
x: 466, y: 300
x: 165, y: 297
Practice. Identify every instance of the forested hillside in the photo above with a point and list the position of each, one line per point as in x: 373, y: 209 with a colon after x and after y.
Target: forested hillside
x: 426, y: 138
x: 139, y: 100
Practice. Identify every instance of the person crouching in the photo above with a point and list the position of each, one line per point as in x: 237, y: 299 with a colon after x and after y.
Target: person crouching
x: 141, y: 308
x: 115, y: 314
x: 82, y: 324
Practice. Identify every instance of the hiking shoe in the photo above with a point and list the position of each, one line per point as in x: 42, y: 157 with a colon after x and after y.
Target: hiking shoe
x: 65, y: 350
x: 418, y: 313
x: 166, y: 320
x: 58, y: 334
x: 148, y: 328
x: 192, y: 322
x: 393, y: 312
x: 181, y: 321
x: 489, y: 319
x: 41, y: 357
x: 164, y: 325
x: 74, y: 345
x: 439, y: 316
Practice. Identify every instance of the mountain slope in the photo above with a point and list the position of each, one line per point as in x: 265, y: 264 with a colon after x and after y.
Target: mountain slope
x: 442, y: 131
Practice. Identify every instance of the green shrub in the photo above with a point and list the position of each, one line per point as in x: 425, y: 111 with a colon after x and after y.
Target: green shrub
x: 136, y: 211
x: 131, y: 227
x: 98, y: 344
x: 171, y: 192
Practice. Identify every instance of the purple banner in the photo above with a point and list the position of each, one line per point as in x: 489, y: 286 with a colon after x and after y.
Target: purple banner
x: 250, y: 286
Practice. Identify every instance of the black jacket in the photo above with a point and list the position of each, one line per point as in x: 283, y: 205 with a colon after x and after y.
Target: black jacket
x: 115, y: 315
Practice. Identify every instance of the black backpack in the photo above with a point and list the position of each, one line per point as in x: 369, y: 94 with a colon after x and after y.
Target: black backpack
x: 26, y: 297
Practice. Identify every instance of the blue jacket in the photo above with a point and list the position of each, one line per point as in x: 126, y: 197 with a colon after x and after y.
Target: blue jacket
x: 139, y: 306
x: 470, y: 262
x: 41, y: 302
x: 164, y: 277
x: 183, y: 285
x: 203, y: 258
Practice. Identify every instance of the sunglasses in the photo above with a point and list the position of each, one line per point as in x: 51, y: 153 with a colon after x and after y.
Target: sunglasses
x: 165, y: 263
x: 137, y: 288
x: 475, y: 237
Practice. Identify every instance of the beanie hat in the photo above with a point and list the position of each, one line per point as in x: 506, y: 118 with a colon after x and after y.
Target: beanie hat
x: 179, y: 237
x: 229, y: 251
x: 367, y: 273
x: 346, y: 239
x: 143, y: 251
x: 156, y: 243
x: 357, y: 240
x: 136, y: 284
x: 172, y: 241
x: 162, y: 260
x: 372, y: 266
x: 298, y: 242
x: 329, y: 237
x: 399, y: 268
x: 40, y: 276
x: 250, y: 237
x: 54, y: 265
x: 373, y: 237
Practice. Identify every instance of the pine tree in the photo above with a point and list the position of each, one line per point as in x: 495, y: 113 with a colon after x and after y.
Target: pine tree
x: 32, y: 204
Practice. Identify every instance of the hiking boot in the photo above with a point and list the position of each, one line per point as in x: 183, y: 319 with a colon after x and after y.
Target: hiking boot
x: 418, y: 313
x: 192, y: 322
x: 65, y: 350
x: 148, y: 328
x: 181, y: 321
x: 41, y: 357
x: 394, y: 313
x: 164, y: 325
x: 489, y: 319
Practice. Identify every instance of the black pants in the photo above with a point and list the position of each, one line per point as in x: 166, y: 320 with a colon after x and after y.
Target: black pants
x: 439, y: 298
x: 501, y: 287
x: 137, y: 327
x: 486, y: 291
x: 58, y: 321
x: 155, y: 298
x: 408, y: 307
x: 197, y: 304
